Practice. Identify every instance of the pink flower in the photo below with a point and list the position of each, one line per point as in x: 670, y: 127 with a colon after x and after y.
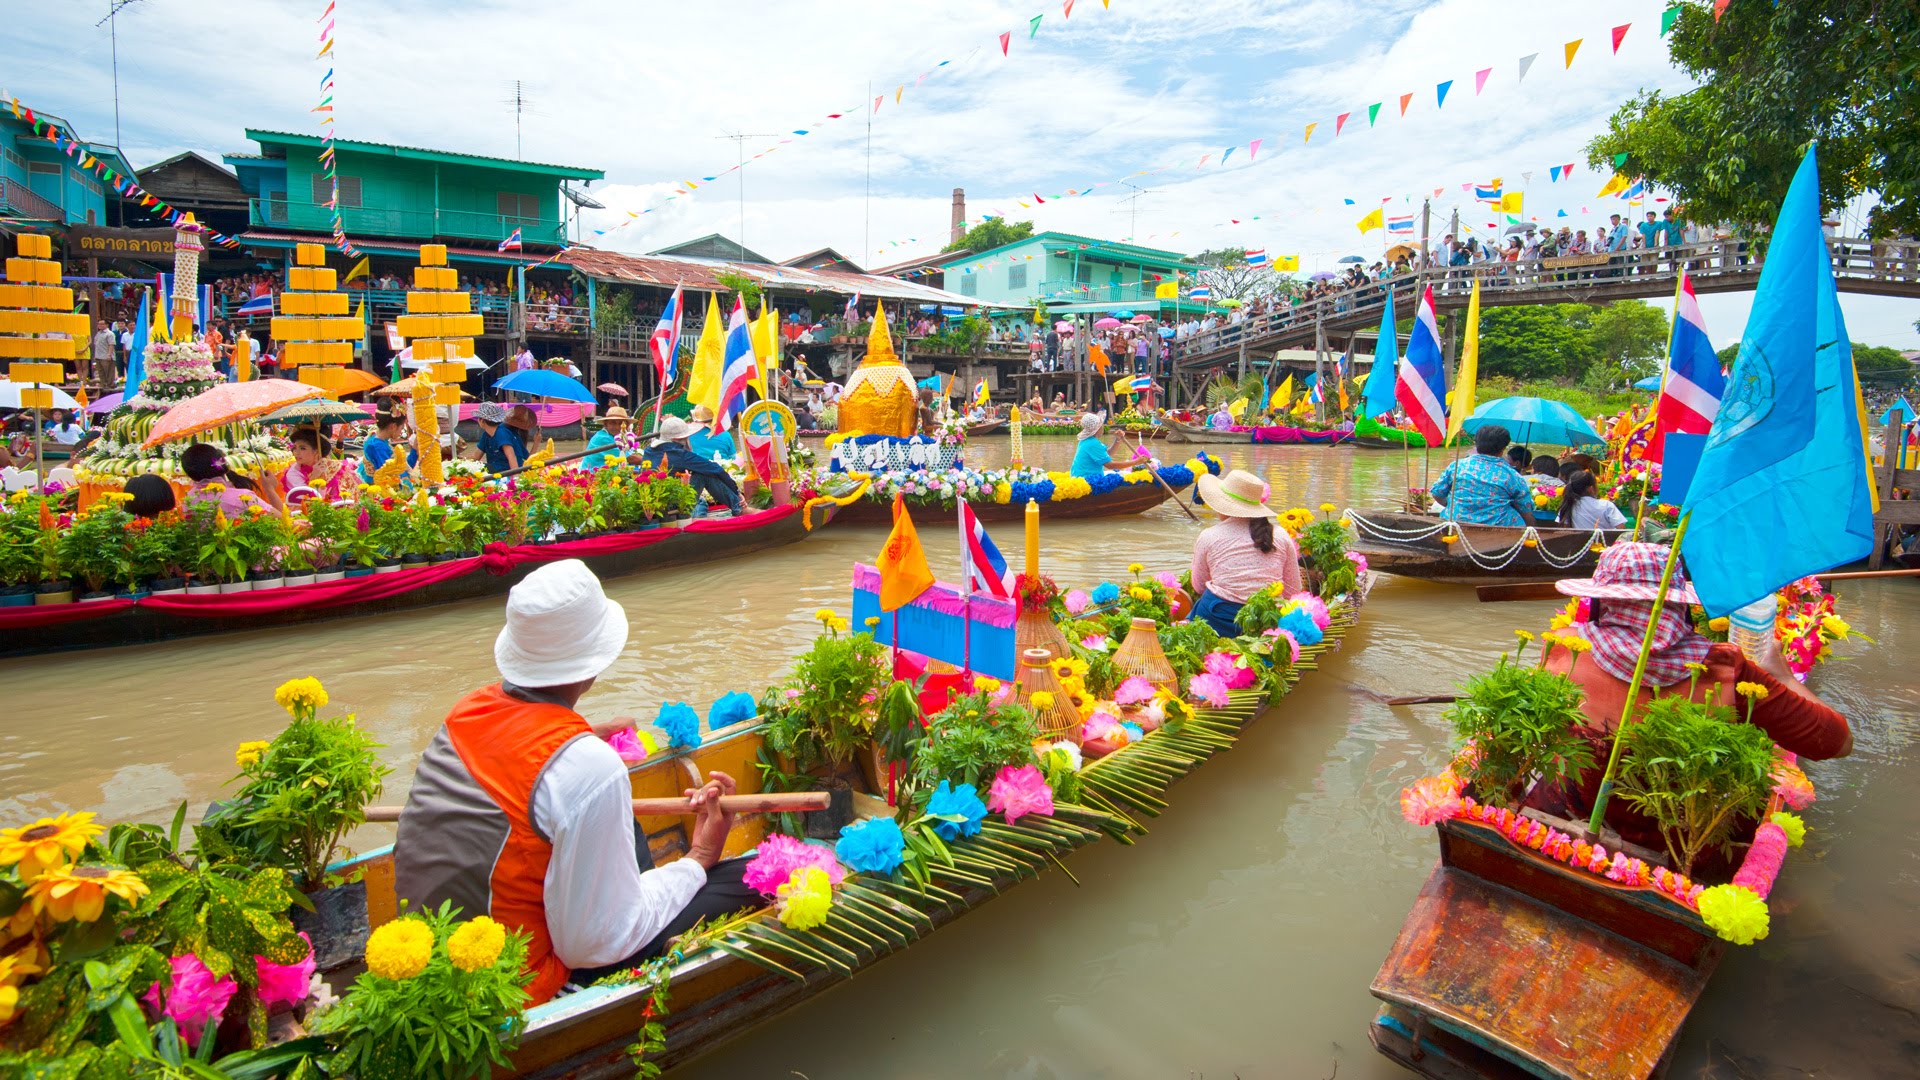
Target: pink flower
x: 1430, y: 800
x: 1101, y: 725
x: 1134, y: 691
x: 363, y: 522
x: 1076, y: 601
x: 1762, y: 864
x: 1096, y: 642
x: 1168, y: 578
x: 1314, y: 607
x: 627, y: 744
x: 780, y: 856
x: 1792, y: 786
x: 1359, y: 562
x: 1211, y: 689
x: 1021, y: 791
x: 1228, y: 667
x: 196, y: 1000
x: 287, y: 983
x: 1293, y: 646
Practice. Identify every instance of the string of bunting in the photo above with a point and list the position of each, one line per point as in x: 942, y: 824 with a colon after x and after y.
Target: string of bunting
x: 328, y: 162
x: 122, y: 185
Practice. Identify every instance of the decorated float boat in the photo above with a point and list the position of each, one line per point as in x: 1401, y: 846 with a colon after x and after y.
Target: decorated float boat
x: 1374, y: 435
x: 1178, y: 431
x: 1426, y: 547
x: 1320, y: 437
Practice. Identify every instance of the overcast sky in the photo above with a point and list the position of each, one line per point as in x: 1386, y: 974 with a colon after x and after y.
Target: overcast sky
x: 648, y: 90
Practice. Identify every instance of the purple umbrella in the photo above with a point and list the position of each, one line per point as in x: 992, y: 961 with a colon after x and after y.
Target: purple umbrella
x: 106, y: 404
x: 1320, y: 275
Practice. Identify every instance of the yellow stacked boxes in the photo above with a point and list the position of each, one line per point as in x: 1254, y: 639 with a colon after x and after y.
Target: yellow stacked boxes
x: 37, y: 321
x: 313, y: 324
x: 439, y: 322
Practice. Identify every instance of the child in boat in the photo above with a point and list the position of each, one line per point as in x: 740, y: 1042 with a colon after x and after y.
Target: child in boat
x: 1580, y: 508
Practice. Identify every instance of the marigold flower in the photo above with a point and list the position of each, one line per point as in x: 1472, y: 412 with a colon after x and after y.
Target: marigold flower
x: 1735, y: 912
x: 301, y: 695
x: 248, y: 754
x: 1139, y: 592
x: 806, y: 898
x: 1346, y: 523
x: 985, y: 684
x: 1719, y: 625
x: 1696, y: 667
x: 1523, y: 635
x: 79, y: 893
x: 476, y: 944
x: 400, y: 949
x: 1751, y: 690
x: 1532, y: 542
x: 1134, y: 568
x: 825, y: 616
x: 1041, y: 700
x: 1450, y: 539
x: 47, y: 843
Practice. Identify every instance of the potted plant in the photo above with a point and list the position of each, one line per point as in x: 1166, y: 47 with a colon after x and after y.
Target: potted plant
x: 52, y: 586
x: 390, y: 530
x: 153, y: 557
x: 1518, y: 722
x: 296, y: 556
x: 679, y: 499
x: 264, y: 537
x: 822, y: 718
x: 93, y: 547
x: 1697, y: 773
x: 971, y: 739
x: 327, y: 530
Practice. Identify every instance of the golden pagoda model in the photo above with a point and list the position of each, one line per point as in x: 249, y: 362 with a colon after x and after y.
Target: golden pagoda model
x: 880, y: 397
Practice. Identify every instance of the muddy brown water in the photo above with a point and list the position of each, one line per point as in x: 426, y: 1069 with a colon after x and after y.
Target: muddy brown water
x: 1237, y: 938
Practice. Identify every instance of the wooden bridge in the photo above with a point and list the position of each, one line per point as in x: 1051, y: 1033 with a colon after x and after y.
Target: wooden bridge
x: 1872, y: 267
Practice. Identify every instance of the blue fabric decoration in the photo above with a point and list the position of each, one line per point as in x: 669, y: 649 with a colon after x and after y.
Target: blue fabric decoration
x: 1105, y: 482
x: 731, y: 709
x: 1301, y: 625
x: 680, y: 722
x: 1105, y: 593
x: 960, y: 802
x: 872, y: 846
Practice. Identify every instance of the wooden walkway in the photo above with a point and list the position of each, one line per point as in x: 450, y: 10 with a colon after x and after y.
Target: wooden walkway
x: 1872, y: 267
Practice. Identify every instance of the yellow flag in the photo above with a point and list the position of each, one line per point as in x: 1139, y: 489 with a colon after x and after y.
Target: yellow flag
x: 1510, y: 202
x: 1303, y: 406
x: 161, y: 330
x: 1282, y: 395
x: 1896, y: 455
x: 1236, y: 406
x: 1167, y: 290
x: 1614, y: 186
x: 1460, y: 402
x: 903, y: 562
x: 766, y: 345
x: 709, y: 353
x: 1374, y: 220
x: 361, y: 269
x: 1286, y: 262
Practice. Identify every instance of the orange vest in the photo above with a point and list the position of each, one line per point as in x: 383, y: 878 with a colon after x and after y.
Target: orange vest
x: 505, y: 743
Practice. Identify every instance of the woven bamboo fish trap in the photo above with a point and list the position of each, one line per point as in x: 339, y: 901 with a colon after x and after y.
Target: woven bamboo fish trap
x: 1062, y: 720
x: 1142, y: 655
x: 1037, y: 630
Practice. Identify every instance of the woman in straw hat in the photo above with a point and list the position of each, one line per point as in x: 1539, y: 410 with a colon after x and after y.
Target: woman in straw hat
x: 613, y: 425
x: 1619, y: 599
x: 1242, y: 554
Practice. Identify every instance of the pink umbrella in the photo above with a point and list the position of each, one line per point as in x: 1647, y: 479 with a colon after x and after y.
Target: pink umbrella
x: 613, y: 388
x: 1142, y: 318
x: 1106, y: 323
x: 1063, y: 326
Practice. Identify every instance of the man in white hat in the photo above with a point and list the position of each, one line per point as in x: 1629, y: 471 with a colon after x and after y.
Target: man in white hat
x: 671, y: 452
x: 704, y: 441
x: 521, y: 811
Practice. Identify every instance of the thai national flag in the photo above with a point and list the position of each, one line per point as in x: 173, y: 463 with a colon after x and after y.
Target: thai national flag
x: 739, y: 371
x: 1317, y: 395
x: 1137, y: 384
x: 980, y: 562
x: 1257, y: 257
x: 1421, y: 388
x: 665, y: 342
x: 1694, y: 384
x: 1487, y: 192
x: 259, y: 305
x: 1200, y: 292
x: 1402, y: 224
x: 511, y: 243
x: 853, y: 309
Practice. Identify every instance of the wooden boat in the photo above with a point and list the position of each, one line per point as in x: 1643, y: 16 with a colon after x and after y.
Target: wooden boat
x: 987, y: 427
x: 1121, y: 501
x: 1196, y: 433
x: 753, y: 969
x: 28, y: 630
x: 1375, y: 435
x: 1413, y: 545
x: 1297, y: 435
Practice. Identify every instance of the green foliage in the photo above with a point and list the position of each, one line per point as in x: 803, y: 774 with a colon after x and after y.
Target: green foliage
x: 831, y: 716
x: 1324, y: 544
x: 1187, y: 645
x: 1882, y: 368
x: 959, y: 338
x: 1628, y: 341
x: 615, y: 310
x: 1261, y: 612
x: 443, y: 1022
x: 1772, y: 78
x: 20, y: 560
x: 1695, y: 772
x: 1521, y: 722
x: 328, y: 530
x: 969, y: 740
x: 1583, y: 400
x: 897, y: 726
x: 991, y: 233
x: 1535, y: 341
x: 95, y: 548
x: 746, y: 289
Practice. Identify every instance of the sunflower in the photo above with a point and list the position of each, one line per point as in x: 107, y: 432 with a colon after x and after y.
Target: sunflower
x: 47, y: 843
x: 79, y: 893
x: 1069, y: 667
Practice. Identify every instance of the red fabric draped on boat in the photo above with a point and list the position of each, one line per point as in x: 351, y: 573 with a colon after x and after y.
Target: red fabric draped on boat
x: 497, y: 559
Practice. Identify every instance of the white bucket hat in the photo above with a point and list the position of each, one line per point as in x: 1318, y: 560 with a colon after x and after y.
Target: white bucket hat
x: 672, y: 429
x: 1090, y: 424
x: 561, y: 628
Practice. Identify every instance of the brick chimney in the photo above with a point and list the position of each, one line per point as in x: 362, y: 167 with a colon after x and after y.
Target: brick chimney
x: 959, y: 224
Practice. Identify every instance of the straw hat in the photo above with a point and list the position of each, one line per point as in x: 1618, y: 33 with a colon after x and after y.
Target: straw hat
x: 701, y: 415
x: 1630, y: 571
x: 614, y: 415
x: 521, y: 418
x: 1239, y: 494
x: 1090, y: 425
x: 672, y: 429
x: 561, y: 628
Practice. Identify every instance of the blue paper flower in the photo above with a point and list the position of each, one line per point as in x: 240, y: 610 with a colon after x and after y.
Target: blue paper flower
x: 1105, y: 593
x: 960, y: 802
x: 1134, y: 732
x: 1105, y: 482
x: 731, y: 709
x: 680, y: 722
x: 872, y: 846
x: 1299, y: 622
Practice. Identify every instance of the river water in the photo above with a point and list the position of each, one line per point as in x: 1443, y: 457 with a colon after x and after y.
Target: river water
x: 1236, y: 939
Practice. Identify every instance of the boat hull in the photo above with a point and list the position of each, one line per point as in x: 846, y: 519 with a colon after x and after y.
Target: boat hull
x: 1121, y: 501
x: 1189, y: 433
x: 1393, y: 543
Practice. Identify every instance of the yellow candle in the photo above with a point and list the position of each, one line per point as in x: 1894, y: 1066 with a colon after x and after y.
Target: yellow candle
x: 1033, y: 540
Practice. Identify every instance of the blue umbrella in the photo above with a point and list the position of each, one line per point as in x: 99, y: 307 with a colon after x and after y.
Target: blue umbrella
x: 1534, y: 420
x: 1166, y: 331
x: 1651, y: 382
x: 1123, y: 314
x: 539, y: 382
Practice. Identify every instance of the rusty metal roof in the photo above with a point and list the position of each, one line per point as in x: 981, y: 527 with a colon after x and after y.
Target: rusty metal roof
x: 666, y: 271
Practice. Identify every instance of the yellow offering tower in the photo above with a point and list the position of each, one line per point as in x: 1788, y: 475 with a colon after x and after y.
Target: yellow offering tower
x: 880, y: 398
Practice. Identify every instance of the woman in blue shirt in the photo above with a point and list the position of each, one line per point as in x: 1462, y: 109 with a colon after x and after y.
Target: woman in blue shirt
x: 378, y: 449
x: 500, y: 444
x: 613, y: 424
x: 1091, y: 458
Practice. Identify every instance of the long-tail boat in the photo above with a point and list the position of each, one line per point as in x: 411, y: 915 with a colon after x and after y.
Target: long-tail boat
x: 1198, y: 433
x: 751, y: 968
x: 1426, y: 547
x: 1374, y: 435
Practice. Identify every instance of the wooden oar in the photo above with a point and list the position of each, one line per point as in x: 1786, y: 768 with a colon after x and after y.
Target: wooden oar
x: 1163, y: 483
x: 1544, y: 590
x: 769, y: 803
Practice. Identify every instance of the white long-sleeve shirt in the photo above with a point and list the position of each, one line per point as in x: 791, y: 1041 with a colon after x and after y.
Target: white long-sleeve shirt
x: 600, y: 908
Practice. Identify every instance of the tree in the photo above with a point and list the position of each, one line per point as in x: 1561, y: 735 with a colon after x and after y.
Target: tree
x: 992, y: 233
x: 1535, y: 342
x: 1225, y: 273
x: 1881, y: 368
x: 1628, y: 340
x: 1775, y: 77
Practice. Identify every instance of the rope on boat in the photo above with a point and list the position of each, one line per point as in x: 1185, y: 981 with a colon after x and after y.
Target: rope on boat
x: 806, y: 511
x: 1485, y: 560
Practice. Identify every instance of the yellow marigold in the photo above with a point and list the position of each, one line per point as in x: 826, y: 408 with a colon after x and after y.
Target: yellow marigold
x: 840, y: 624
x: 986, y: 684
x: 79, y: 893
x: 1523, y: 635
x: 117, y: 497
x: 1140, y: 592
x: 1751, y: 690
x: 1835, y: 627
x: 1735, y: 912
x: 1135, y: 568
x: 1041, y: 701
x: 1328, y: 508
x: 1450, y: 539
x: 400, y: 949
x: 872, y: 621
x: 1560, y: 621
x: 1719, y: 625
x: 476, y: 944
x: 299, y: 696
x: 825, y: 616
x: 250, y: 753
x: 1575, y: 644
x: 1531, y: 542
x: 805, y: 898
x: 1346, y: 522
x: 47, y: 844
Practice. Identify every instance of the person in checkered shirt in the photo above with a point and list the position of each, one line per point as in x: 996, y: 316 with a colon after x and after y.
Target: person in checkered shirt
x: 1483, y: 489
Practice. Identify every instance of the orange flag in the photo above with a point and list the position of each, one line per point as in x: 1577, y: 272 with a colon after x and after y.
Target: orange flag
x: 903, y: 562
x: 1097, y: 356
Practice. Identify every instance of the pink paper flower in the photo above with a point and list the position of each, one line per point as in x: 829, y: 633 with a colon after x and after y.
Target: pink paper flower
x: 1293, y: 645
x: 1762, y: 864
x: 1134, y: 691
x: 1101, y: 725
x: 289, y: 983
x: 1021, y: 791
x: 1792, y: 786
x: 1228, y: 667
x: 1314, y: 607
x: 196, y: 1000
x: 1168, y: 578
x: 1096, y: 642
x: 1211, y: 689
x: 1076, y: 601
x: 1359, y: 562
x: 780, y: 856
x: 1430, y: 800
x: 626, y: 743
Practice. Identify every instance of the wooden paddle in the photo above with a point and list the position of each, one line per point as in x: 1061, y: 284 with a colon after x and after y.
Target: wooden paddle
x: 1177, y: 501
x: 769, y: 803
x: 1544, y: 590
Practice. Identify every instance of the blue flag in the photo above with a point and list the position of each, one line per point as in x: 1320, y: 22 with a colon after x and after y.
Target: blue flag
x: 1386, y: 362
x: 1786, y: 459
x: 137, y: 356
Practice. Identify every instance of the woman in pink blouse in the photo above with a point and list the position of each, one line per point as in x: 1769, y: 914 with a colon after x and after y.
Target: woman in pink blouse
x: 1242, y: 554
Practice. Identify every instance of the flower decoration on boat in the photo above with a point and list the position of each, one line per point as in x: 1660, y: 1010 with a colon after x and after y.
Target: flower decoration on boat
x: 248, y: 754
x: 1017, y: 792
x: 1097, y: 643
x: 301, y: 697
x: 1231, y: 669
x: 79, y: 893
x: 1431, y: 799
x: 1791, y: 784
x: 399, y: 950
x: 1101, y: 726
x: 1765, y: 856
x: 779, y: 856
x: 47, y: 844
x: 1042, y: 700
x: 732, y: 708
x: 1065, y: 751
x: 960, y: 806
x: 1358, y: 559
x: 1134, y: 691
x: 1298, y: 621
x: 285, y: 984
x: 1211, y: 689
x: 1069, y: 667
x: 196, y: 998
x: 1076, y: 601
x: 873, y: 846
x: 1105, y: 593
x: 1792, y: 826
x: 476, y: 944
x: 680, y: 723
x: 632, y: 745
x: 1734, y: 912
x: 805, y: 898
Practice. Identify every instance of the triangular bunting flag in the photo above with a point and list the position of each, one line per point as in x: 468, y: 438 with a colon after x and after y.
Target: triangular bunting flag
x: 1668, y: 18
x: 1405, y: 100
x: 1527, y: 176
x: 1573, y: 47
x: 1555, y: 173
x: 1480, y: 80
x: 1525, y: 63
x: 1253, y: 148
x: 1619, y: 34
x: 1442, y: 89
x: 1340, y: 122
x: 1004, y: 39
x: 1223, y: 157
x: 1035, y: 28
x: 1067, y: 11
x: 1373, y: 113
x: 1619, y: 159
x: 1309, y: 137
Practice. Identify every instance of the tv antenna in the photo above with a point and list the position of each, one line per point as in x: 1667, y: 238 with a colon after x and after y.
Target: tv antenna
x: 113, y: 30
x: 1133, y: 209
x: 740, y: 169
x: 521, y: 106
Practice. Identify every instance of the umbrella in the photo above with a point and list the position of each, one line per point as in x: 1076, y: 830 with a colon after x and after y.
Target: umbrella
x: 404, y: 388
x: 1523, y: 227
x: 358, y: 380
x: 1534, y: 420
x: 1123, y: 314
x: 1062, y: 327
x: 1166, y: 331
x: 10, y: 396
x: 1398, y: 250
x: 1142, y: 318
x: 106, y: 404
x: 542, y: 383
x: 315, y: 411
x: 1651, y: 382
x: 613, y: 388
x: 1106, y: 324
x: 227, y: 403
x: 1352, y: 259
x: 1320, y: 275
